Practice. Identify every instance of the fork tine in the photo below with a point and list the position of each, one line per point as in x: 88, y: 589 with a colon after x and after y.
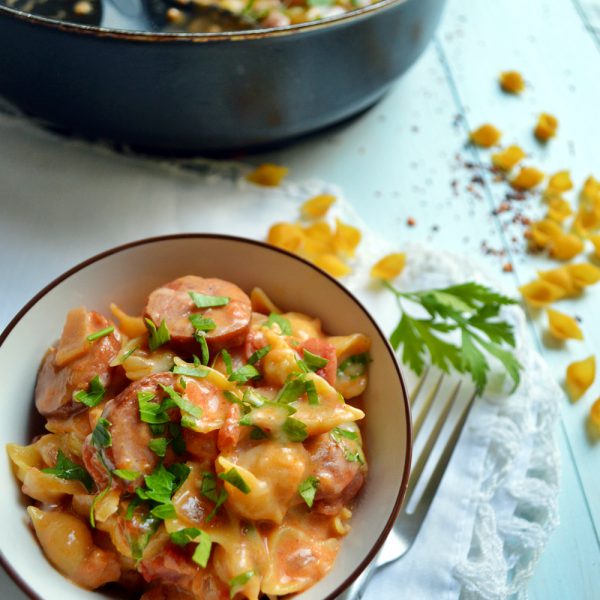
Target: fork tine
x: 440, y: 468
x: 425, y: 453
x: 426, y: 403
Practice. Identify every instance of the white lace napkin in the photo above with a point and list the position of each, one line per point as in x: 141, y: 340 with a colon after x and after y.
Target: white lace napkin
x: 63, y: 201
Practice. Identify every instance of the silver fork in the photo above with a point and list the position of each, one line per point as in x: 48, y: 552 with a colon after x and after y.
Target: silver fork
x: 436, y: 400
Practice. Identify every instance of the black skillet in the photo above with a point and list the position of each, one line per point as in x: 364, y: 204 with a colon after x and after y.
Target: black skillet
x: 181, y: 92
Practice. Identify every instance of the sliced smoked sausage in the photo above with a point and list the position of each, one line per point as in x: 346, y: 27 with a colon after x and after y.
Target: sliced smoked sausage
x: 75, y: 361
x: 130, y: 435
x: 173, y: 304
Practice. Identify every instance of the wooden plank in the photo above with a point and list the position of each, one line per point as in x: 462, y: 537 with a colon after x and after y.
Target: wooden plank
x: 558, y: 83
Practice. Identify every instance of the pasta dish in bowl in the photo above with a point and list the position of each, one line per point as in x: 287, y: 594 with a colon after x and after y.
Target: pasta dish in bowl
x: 199, y: 441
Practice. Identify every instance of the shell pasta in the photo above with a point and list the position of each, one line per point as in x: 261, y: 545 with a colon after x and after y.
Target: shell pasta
x: 208, y: 448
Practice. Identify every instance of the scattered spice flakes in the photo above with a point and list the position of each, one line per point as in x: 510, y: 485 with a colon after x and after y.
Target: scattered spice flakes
x: 512, y: 82
x: 507, y: 268
x: 546, y: 127
x: 485, y: 136
x: 267, y: 175
x: 411, y: 222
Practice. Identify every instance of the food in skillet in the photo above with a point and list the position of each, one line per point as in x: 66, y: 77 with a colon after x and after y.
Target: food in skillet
x: 204, y: 450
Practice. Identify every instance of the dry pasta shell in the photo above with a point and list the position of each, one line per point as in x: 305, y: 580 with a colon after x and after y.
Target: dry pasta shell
x: 527, y: 178
x: 287, y: 236
x: 541, y: 292
x: 563, y: 327
x: 559, y: 209
x: 561, y: 278
x: 485, y: 136
x: 332, y: 264
x: 595, y: 413
x: 580, y: 376
x: 583, y: 274
x: 508, y: 158
x: 546, y: 127
x: 317, y: 207
x: 560, y: 182
x: 267, y: 175
x: 389, y: 267
x: 595, y: 239
x: 346, y: 238
x: 512, y: 82
x: 566, y: 246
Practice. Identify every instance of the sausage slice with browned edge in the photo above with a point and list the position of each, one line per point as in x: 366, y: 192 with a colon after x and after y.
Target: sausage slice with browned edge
x: 173, y: 303
x: 130, y: 436
x: 73, y: 364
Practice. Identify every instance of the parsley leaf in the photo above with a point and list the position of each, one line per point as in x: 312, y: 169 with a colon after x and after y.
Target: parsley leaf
x: 67, y: 469
x: 188, y: 409
x: 235, y: 479
x: 294, y: 429
x: 311, y: 392
x: 202, y: 552
x: 354, y: 366
x: 291, y: 391
x: 313, y: 361
x: 284, y: 325
x: 201, y: 323
x: 184, y: 536
x: 205, y: 301
x: 94, y: 394
x: 201, y: 339
x: 100, y: 334
x: 153, y: 413
x: 101, y: 437
x: 210, y: 490
x: 244, y: 373
x: 469, y: 309
x: 227, y: 360
x: 157, y: 336
x: 239, y: 581
x: 127, y: 474
x: 259, y: 354
x: 197, y: 372
x: 158, y: 446
x: 307, y: 489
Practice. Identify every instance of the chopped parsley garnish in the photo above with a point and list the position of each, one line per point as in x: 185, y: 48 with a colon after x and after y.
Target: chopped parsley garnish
x: 284, y: 325
x: 99, y: 498
x: 160, y: 486
x: 291, y: 391
x: 94, y: 394
x: 101, y: 437
x: 204, y: 301
x: 244, y: 373
x: 184, y: 536
x: 189, y: 411
x: 127, y: 354
x: 200, y: 323
x: 257, y: 433
x: 235, y: 479
x: 204, y: 353
x: 239, y: 581
x: 307, y: 489
x: 337, y: 433
x: 133, y: 504
x: 470, y: 309
x: 197, y: 372
x: 127, y: 474
x: 311, y: 392
x: 227, y: 360
x: 259, y: 354
x: 153, y: 413
x: 295, y: 429
x: 158, y: 446
x: 313, y: 361
x: 157, y: 336
x: 210, y: 490
x: 354, y: 366
x: 202, y: 552
x: 67, y: 469
x: 100, y: 334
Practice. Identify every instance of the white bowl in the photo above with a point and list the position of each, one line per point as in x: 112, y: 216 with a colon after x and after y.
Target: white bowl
x: 126, y: 275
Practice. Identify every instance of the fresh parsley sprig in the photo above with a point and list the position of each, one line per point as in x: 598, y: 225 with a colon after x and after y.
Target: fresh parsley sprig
x: 469, y: 309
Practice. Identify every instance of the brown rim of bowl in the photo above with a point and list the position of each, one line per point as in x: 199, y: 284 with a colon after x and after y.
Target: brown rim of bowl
x: 148, y: 36
x: 164, y: 238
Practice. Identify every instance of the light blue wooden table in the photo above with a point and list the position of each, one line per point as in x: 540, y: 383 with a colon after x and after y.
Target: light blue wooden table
x: 399, y: 161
